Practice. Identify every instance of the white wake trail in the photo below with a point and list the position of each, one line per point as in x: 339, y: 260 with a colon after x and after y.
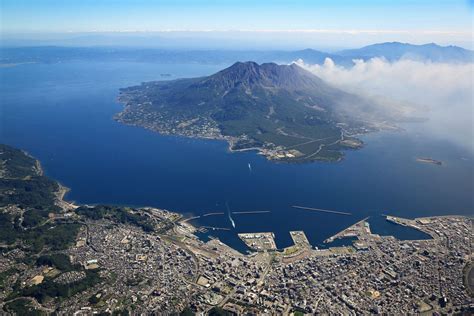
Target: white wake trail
x: 230, y: 217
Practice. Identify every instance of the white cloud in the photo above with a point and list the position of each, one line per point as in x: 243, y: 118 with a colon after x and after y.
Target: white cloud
x: 445, y: 89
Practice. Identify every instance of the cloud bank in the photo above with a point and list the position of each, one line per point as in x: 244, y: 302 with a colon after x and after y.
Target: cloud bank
x: 445, y: 90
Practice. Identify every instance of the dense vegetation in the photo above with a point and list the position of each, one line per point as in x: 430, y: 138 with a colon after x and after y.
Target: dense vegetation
x: 218, y: 311
x: 31, y: 198
x: 54, y: 237
x: 58, y: 260
x: 4, y: 275
x: 16, y: 164
x: 22, y: 183
x: 35, y: 192
x: 24, y: 307
x: 50, y: 289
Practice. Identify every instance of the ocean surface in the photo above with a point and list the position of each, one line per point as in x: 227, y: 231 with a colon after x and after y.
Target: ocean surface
x: 62, y: 114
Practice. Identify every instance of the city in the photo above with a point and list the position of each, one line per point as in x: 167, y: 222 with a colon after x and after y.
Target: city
x: 170, y: 269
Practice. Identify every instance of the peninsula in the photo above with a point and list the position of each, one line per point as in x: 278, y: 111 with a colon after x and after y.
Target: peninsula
x: 283, y: 111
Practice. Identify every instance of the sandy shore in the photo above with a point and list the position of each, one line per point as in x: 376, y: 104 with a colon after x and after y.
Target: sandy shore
x: 65, y: 205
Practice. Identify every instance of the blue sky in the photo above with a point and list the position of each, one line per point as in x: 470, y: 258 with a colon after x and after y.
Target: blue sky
x: 437, y: 20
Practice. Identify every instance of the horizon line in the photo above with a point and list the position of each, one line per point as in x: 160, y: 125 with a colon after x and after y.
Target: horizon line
x: 288, y: 31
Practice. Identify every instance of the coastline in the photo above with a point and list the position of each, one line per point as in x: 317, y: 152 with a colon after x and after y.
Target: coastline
x: 268, y: 153
x: 62, y: 189
x: 60, y: 194
x: 271, y: 151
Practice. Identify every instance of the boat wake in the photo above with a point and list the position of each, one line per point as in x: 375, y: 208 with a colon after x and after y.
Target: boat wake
x: 230, y: 216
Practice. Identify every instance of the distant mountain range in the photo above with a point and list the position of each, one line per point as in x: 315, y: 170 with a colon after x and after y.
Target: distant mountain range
x: 390, y: 51
x: 283, y: 111
x: 394, y: 51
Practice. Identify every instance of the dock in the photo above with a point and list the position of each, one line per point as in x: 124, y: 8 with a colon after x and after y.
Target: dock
x: 354, y: 230
x: 259, y: 241
x: 215, y: 228
x: 300, y: 239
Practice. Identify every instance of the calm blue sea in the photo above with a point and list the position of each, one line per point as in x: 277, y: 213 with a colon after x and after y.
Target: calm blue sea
x: 62, y: 114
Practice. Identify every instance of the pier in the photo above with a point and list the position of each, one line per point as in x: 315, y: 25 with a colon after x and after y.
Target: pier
x: 354, y: 230
x: 215, y: 228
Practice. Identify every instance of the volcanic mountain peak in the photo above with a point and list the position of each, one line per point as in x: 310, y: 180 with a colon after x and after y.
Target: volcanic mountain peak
x: 268, y: 75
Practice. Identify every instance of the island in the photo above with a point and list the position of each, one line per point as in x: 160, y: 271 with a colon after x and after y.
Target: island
x: 429, y: 160
x: 282, y: 111
x: 57, y: 257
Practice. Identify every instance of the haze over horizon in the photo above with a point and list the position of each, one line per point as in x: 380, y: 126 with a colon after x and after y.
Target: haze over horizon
x: 243, y: 24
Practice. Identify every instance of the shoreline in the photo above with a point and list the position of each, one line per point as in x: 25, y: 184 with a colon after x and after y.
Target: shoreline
x: 60, y: 194
x: 62, y: 189
x: 271, y: 154
x: 230, y: 140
